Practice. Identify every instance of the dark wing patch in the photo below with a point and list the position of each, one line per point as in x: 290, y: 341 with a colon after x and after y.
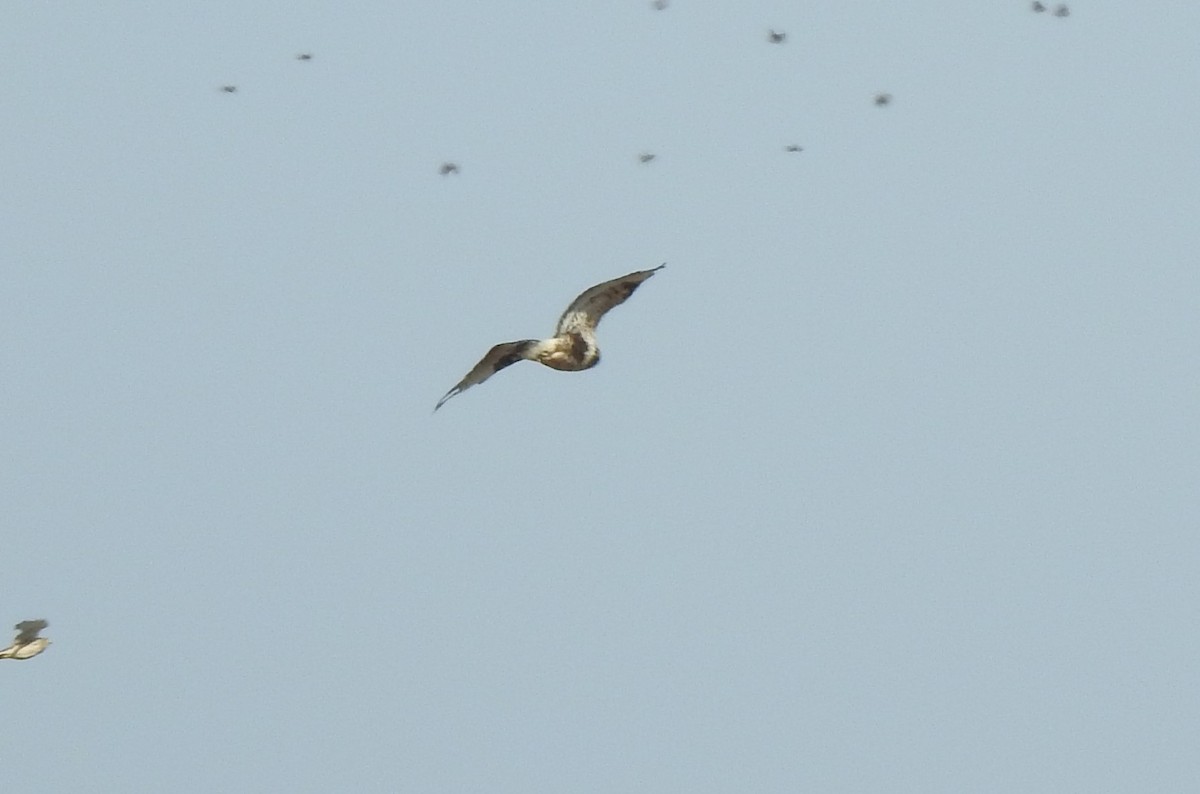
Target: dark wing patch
x: 27, y: 630
x: 506, y: 361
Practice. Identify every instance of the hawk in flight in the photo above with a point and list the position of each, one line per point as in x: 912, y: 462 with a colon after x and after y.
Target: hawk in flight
x: 27, y: 643
x: 573, y: 346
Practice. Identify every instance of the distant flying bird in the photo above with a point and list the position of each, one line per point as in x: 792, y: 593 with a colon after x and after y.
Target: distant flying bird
x: 660, y: 5
x: 304, y: 56
x: 1062, y: 11
x: 883, y: 100
x: 448, y: 168
x: 573, y: 346
x: 776, y: 38
x: 646, y: 157
x: 27, y: 643
x: 791, y: 147
x: 1038, y: 7
x: 229, y: 89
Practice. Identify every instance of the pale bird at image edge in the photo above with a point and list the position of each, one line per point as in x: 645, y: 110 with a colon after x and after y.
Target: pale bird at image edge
x: 573, y: 346
x: 27, y: 643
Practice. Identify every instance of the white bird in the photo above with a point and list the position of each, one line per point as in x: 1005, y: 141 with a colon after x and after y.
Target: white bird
x: 573, y: 346
x: 27, y: 643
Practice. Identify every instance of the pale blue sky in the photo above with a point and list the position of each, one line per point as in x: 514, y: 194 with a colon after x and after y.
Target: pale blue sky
x: 889, y: 482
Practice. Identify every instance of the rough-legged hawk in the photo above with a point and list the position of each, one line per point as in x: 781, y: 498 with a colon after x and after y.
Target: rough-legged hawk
x: 27, y: 643
x: 573, y: 346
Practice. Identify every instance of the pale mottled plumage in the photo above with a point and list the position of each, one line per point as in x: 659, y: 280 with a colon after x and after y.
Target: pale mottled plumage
x: 573, y: 346
x: 27, y: 643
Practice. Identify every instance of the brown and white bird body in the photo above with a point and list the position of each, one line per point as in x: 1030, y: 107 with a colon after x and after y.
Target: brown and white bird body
x: 573, y: 346
x: 27, y: 643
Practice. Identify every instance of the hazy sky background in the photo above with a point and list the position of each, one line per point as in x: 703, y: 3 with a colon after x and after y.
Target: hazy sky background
x: 889, y: 482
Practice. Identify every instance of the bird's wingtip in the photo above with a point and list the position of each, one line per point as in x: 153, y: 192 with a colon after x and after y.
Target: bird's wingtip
x: 446, y: 397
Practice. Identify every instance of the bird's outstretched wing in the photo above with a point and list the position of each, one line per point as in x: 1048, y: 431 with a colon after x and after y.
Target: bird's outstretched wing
x: 502, y: 355
x: 27, y: 631
x: 584, y: 313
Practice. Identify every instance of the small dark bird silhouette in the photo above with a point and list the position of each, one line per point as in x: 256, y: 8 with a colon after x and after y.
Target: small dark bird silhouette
x: 1062, y: 11
x: 1038, y: 7
x: 660, y: 5
x: 448, y: 168
x: 791, y: 147
x: 27, y: 643
x: 304, y: 56
x: 229, y: 89
x: 646, y: 157
x: 883, y: 100
x: 776, y: 38
x: 573, y: 346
